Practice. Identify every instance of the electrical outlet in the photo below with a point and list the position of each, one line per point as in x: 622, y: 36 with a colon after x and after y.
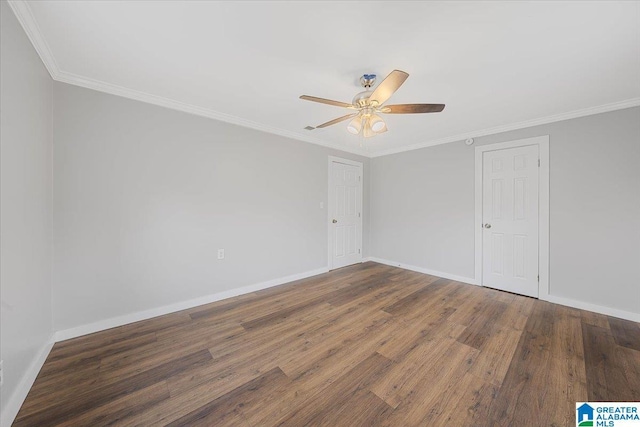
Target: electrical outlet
x: 220, y: 253
x: 1, y: 373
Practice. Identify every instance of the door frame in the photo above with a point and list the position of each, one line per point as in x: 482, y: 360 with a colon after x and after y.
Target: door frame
x: 543, y: 207
x: 359, y: 165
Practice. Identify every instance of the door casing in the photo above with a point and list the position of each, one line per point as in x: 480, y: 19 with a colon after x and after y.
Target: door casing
x: 543, y: 207
x: 331, y: 160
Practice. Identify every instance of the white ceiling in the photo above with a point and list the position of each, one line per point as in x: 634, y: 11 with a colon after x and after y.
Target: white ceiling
x: 496, y: 65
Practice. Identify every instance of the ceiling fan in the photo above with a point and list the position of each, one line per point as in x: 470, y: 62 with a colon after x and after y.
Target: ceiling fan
x: 369, y: 104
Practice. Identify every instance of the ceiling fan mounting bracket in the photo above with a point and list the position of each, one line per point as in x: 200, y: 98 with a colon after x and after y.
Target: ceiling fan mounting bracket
x: 368, y: 80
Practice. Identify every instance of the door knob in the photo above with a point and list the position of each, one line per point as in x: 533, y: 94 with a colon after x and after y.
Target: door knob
x: 487, y: 225
x: 334, y: 221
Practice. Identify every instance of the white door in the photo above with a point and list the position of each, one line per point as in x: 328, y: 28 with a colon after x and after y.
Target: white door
x: 345, y: 214
x: 510, y: 219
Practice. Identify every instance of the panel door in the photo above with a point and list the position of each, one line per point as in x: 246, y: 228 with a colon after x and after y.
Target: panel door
x: 510, y: 220
x: 345, y: 214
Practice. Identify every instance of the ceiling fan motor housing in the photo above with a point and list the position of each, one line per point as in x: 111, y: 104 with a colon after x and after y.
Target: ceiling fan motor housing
x: 361, y: 99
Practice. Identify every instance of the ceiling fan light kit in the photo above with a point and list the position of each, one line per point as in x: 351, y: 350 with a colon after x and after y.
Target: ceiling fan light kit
x: 377, y: 124
x: 355, y: 126
x: 370, y: 103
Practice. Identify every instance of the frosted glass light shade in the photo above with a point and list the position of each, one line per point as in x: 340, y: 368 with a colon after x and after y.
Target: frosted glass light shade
x: 377, y: 124
x: 355, y: 125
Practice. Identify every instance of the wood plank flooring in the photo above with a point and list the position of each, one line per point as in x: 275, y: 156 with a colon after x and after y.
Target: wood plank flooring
x: 366, y: 345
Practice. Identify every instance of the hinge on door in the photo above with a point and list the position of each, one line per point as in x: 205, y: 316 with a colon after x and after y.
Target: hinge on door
x: 538, y: 162
x: 358, y: 250
x: 358, y: 214
x: 538, y: 278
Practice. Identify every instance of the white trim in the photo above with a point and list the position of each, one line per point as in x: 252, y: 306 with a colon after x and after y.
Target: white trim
x: 543, y: 208
x: 607, y: 311
x: 11, y: 409
x: 24, y: 15
x: 16, y: 400
x: 589, y: 111
x: 30, y: 26
x: 544, y: 191
x: 345, y: 161
x: 422, y: 270
x: 124, y: 92
x: 172, y: 308
x: 360, y: 166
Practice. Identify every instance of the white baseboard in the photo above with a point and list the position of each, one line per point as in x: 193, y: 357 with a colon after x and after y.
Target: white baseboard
x: 613, y: 312
x: 10, y: 411
x: 449, y: 276
x: 172, y: 308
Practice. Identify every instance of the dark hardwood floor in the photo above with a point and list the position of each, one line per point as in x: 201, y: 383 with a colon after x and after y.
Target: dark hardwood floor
x: 367, y: 345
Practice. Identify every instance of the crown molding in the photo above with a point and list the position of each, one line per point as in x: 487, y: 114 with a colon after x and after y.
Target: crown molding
x: 23, y: 13
x: 25, y: 16
x: 76, y: 80
x: 629, y: 103
x: 28, y: 22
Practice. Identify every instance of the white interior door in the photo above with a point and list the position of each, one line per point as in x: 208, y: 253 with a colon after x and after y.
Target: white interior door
x: 345, y: 214
x: 510, y: 219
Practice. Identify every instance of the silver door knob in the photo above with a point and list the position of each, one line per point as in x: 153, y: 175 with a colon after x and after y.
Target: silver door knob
x: 334, y: 221
x: 487, y: 225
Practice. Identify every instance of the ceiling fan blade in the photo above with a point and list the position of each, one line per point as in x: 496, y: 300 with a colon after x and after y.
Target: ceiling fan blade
x: 326, y: 101
x: 412, y: 108
x: 388, y: 86
x: 338, y: 120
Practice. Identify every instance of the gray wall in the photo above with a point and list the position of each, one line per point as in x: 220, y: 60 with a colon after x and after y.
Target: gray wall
x: 422, y: 207
x: 144, y: 197
x: 26, y: 209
